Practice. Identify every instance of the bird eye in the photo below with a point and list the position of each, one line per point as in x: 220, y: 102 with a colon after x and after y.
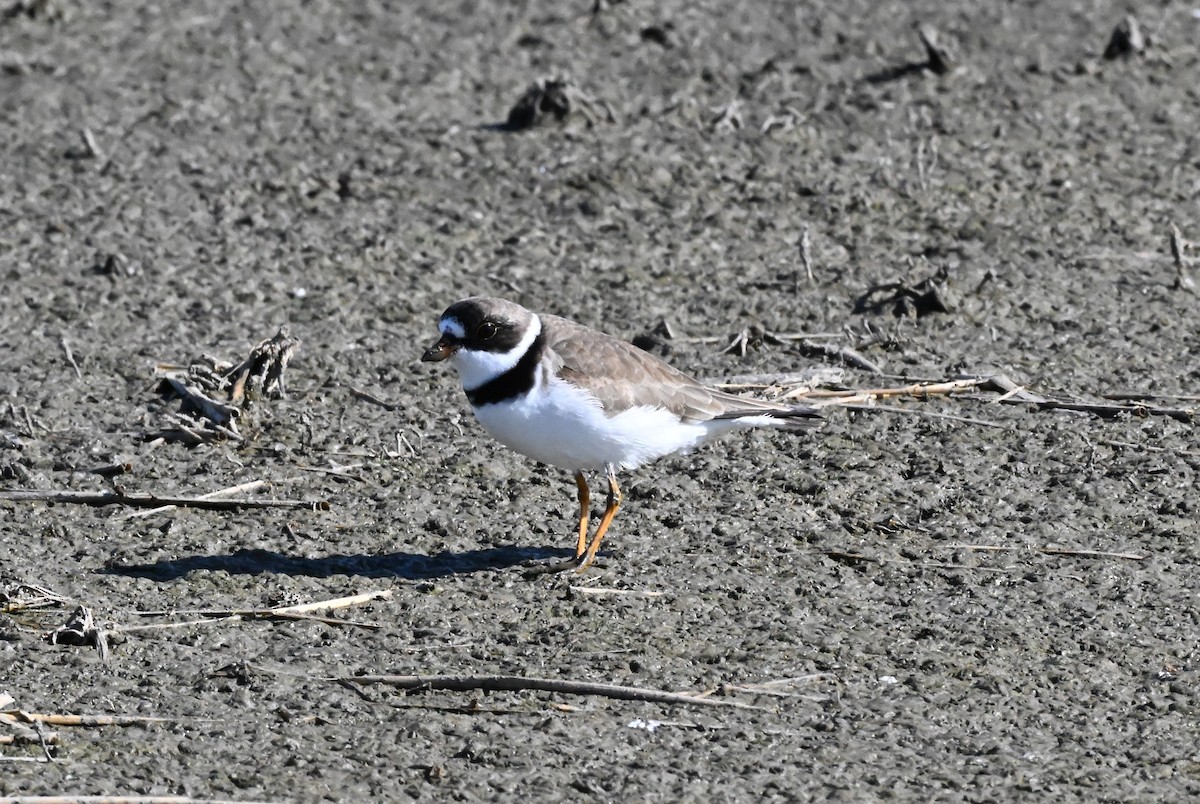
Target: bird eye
x: 486, y: 331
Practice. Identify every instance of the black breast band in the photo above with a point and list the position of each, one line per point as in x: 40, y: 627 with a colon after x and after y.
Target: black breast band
x: 516, y: 381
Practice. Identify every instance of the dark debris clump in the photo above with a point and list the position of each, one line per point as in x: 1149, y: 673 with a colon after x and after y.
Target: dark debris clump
x: 554, y: 99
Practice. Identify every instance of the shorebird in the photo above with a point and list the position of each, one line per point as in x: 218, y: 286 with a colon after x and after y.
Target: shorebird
x: 575, y: 398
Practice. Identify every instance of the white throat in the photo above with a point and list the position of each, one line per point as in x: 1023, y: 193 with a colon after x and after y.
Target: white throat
x: 476, y: 368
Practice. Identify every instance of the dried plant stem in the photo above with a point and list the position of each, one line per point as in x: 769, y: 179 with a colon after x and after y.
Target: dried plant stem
x: 153, y: 501
x: 1052, y: 551
x: 242, y: 488
x: 90, y: 721
x: 1010, y: 394
x: 512, y: 683
x: 300, y: 611
x: 926, y: 413
x: 124, y: 800
x: 598, y: 591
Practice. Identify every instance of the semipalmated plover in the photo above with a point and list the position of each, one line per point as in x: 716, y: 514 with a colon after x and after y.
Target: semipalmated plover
x: 575, y: 398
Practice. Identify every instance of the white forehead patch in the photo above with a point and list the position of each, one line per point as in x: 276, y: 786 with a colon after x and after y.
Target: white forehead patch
x: 453, y: 327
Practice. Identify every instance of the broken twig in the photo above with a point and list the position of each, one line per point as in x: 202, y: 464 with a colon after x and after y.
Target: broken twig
x: 1183, y: 279
x: 791, y: 388
x: 196, y: 400
x: 844, y: 353
x: 1015, y: 395
x: 299, y: 611
x: 515, y: 683
x: 1052, y: 551
x: 599, y: 591
x: 153, y: 501
x: 806, y: 254
x: 66, y: 347
x: 926, y: 413
x: 89, y: 721
x: 241, y: 488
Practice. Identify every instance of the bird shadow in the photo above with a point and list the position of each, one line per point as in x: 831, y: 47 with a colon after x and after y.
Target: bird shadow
x: 410, y: 566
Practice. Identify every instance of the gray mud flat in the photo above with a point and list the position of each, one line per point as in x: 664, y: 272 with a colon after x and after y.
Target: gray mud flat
x: 966, y: 601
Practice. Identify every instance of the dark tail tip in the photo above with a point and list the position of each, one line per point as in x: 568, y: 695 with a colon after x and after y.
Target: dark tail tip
x: 799, y: 416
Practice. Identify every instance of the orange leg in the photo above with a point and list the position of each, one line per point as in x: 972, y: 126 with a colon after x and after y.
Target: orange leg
x: 614, y: 502
x: 585, y: 504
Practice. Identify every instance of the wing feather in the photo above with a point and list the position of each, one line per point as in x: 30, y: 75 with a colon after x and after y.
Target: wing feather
x: 623, y: 376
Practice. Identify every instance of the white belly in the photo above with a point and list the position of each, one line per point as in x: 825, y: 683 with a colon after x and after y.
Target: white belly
x: 563, y: 426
